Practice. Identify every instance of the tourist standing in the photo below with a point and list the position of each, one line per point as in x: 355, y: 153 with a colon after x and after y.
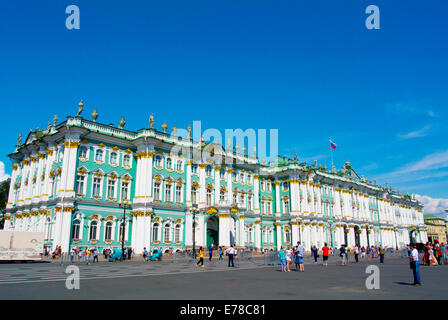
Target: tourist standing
x: 414, y: 261
x: 314, y: 252
x: 145, y: 253
x: 325, y: 253
x: 300, y: 253
x: 381, y: 253
x: 356, y: 253
x: 281, y: 254
x: 342, y: 254
x: 288, y: 255
x: 201, y: 257
x: 230, y: 252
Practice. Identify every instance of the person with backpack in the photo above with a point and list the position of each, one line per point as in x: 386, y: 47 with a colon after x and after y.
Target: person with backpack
x: 210, y: 253
x: 220, y: 253
x: 342, y: 254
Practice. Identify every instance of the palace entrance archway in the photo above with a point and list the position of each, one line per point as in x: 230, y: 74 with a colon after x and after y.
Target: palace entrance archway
x: 212, y: 231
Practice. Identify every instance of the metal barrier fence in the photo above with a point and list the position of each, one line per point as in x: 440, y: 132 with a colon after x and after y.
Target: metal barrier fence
x: 271, y: 258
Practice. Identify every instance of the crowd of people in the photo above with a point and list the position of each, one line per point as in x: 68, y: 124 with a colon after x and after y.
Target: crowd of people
x: 435, y: 253
x: 231, y: 252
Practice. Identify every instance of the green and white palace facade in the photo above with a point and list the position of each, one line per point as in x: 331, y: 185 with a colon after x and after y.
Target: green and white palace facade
x: 68, y: 179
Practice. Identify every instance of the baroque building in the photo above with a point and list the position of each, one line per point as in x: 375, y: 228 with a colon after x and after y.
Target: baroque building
x: 68, y: 179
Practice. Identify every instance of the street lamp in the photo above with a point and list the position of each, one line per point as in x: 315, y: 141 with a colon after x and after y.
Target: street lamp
x: 194, y: 210
x: 125, y: 204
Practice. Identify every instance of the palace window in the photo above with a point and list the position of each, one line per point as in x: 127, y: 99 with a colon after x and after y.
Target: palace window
x: 125, y: 190
x: 158, y: 161
x: 122, y: 230
x: 194, y: 168
x: 177, y: 233
x: 178, y: 194
x: 111, y: 189
x: 285, y: 186
x: 242, y: 199
x: 166, y: 233
x: 234, y: 198
x: 241, y: 177
x: 269, y: 209
x: 269, y: 186
x: 99, y: 155
x: 262, y: 184
x: 93, y: 230
x: 80, y: 184
x: 167, y: 192
x: 157, y: 191
x: 179, y: 166
x: 127, y: 161
x: 108, y: 232
x: 251, y: 238
x: 47, y: 228
x: 75, y: 229
x: 113, y: 158
x: 155, y: 232
x: 209, y: 197
x: 249, y: 178
x: 222, y: 196
x: 169, y: 163
x: 222, y: 173
x: 96, y: 189
x: 249, y: 202
x: 194, y: 192
x: 285, y: 206
x: 208, y: 171
x: 234, y: 177
x: 287, y: 236
x: 262, y: 207
x: 83, y: 153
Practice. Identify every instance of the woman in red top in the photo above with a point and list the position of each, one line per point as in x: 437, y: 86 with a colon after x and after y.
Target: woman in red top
x: 325, y: 251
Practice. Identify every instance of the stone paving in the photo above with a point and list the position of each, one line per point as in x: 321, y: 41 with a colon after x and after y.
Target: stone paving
x: 250, y: 279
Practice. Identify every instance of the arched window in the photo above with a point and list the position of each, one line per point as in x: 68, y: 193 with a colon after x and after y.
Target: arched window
x: 177, y: 233
x: 155, y: 232
x: 75, y: 229
x: 178, y: 194
x: 122, y: 231
x: 108, y: 232
x: 166, y: 233
x: 127, y: 161
x: 209, y: 196
x: 287, y: 236
x: 285, y: 186
x: 179, y: 165
x: 96, y: 187
x: 286, y: 206
x: 208, y: 171
x: 83, y: 152
x: 222, y: 196
x: 47, y: 228
x: 93, y: 230
x: 99, y: 155
x: 222, y: 173
x: 194, y: 193
x: 168, y: 189
x: 194, y: 168
x: 169, y: 163
x: 158, y: 161
x: 157, y: 191
x: 113, y: 158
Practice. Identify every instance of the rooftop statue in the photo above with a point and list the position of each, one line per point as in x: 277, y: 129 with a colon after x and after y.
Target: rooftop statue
x: 80, y: 108
x: 121, y: 123
x: 94, y: 115
x: 151, y: 121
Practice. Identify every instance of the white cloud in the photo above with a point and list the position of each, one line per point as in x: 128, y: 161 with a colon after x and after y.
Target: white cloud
x: 3, y: 175
x: 433, y: 205
x: 415, y: 134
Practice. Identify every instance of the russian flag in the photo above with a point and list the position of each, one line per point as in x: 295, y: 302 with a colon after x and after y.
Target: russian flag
x: 332, y: 145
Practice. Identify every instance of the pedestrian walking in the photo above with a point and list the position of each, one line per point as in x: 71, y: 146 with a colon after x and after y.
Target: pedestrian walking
x: 325, y: 253
x: 414, y: 264
x: 210, y: 253
x: 145, y: 253
x: 356, y: 253
x: 201, y: 257
x: 220, y: 253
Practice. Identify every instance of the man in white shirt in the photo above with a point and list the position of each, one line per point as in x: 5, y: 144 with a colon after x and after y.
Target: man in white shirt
x: 415, y: 265
x: 230, y: 252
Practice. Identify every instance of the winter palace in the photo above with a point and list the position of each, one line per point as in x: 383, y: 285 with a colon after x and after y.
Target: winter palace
x: 67, y: 182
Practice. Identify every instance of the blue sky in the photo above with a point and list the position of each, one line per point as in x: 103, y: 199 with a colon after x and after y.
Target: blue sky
x: 310, y: 69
